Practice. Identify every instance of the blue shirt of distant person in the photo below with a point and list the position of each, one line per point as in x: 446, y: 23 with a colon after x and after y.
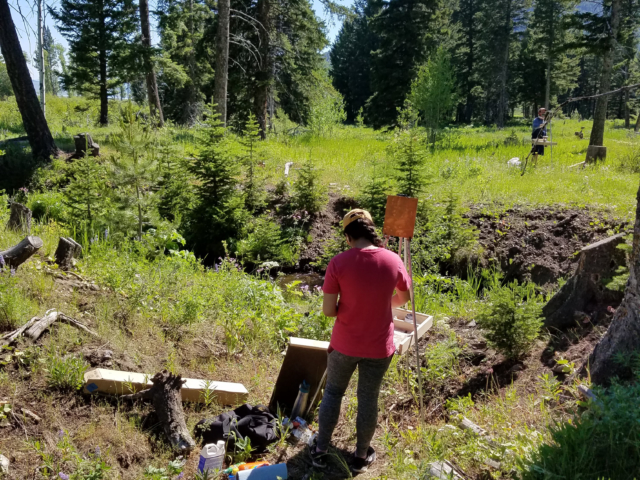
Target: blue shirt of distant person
x: 539, y: 130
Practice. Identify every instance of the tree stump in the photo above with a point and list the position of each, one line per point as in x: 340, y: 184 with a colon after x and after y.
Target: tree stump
x: 67, y: 250
x: 85, y: 143
x: 584, y: 290
x: 596, y: 153
x: 623, y: 336
x: 20, y: 253
x: 20, y: 218
x: 167, y: 402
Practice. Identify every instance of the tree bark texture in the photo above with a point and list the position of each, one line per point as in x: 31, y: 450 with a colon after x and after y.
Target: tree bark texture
x: 503, y: 100
x: 596, y: 153
x: 222, y: 60
x: 155, y: 108
x: 600, y: 114
x: 623, y: 335
x: 20, y: 253
x: 20, y: 218
x: 167, y: 402
x: 264, y: 76
x: 35, y: 124
x: 637, y: 127
x: 84, y: 142
x: 67, y: 250
x: 584, y: 293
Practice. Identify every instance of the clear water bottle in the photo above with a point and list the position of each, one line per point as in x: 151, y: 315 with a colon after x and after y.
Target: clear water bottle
x: 300, y: 407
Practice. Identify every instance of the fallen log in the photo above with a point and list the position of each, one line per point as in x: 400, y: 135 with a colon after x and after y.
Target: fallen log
x: 35, y: 327
x: 20, y: 218
x: 67, y: 250
x: 49, y: 319
x: 167, y: 402
x: 20, y: 253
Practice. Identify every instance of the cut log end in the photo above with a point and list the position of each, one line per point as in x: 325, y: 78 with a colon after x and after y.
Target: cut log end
x: 67, y: 250
x: 167, y: 402
x: 20, y: 218
x: 596, y: 153
x: 20, y: 253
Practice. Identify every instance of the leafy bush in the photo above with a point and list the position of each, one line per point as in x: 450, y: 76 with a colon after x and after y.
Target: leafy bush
x: 511, y: 320
x: 264, y: 241
x: 444, y: 238
x: 65, y: 373
x: 603, y: 442
x: 308, y: 193
x: 48, y: 205
x: 443, y: 359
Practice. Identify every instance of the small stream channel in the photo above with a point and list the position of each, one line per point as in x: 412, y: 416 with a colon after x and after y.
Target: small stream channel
x: 310, y: 279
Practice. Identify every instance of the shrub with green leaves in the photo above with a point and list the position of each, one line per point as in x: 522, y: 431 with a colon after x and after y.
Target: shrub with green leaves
x: 512, y: 318
x: 65, y: 373
x: 602, y: 442
x: 264, y: 241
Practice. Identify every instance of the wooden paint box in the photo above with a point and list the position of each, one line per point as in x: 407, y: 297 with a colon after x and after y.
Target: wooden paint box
x: 404, y: 333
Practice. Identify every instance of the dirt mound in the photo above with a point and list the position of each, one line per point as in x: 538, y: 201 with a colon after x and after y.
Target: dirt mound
x: 322, y: 228
x: 538, y: 245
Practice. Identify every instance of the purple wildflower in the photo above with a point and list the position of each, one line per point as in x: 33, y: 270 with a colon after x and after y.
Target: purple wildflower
x: 24, y: 190
x: 97, y: 451
x: 317, y: 288
x: 60, y: 433
x: 63, y: 476
x: 180, y: 475
x: 106, y: 233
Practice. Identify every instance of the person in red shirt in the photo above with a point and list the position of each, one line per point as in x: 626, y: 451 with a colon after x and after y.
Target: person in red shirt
x: 359, y: 290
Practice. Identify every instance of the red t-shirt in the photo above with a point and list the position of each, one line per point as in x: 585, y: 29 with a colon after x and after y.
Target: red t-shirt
x: 365, y: 280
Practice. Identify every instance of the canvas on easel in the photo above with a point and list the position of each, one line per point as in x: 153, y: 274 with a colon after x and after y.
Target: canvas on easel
x: 400, y: 216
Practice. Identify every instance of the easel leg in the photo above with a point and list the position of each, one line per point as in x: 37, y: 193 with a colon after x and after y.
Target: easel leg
x: 407, y: 246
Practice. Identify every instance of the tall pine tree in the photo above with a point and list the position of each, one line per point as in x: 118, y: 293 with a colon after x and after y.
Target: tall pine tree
x: 351, y: 57
x: 406, y: 35
x: 98, y: 32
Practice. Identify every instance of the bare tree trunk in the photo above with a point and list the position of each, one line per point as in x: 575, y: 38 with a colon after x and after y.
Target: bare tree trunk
x: 623, y: 336
x: 637, y: 127
x: 104, y: 92
x: 503, y: 99
x: 167, y: 402
x: 600, y: 114
x: 222, y: 60
x: 264, y: 75
x: 33, y: 119
x: 155, y: 108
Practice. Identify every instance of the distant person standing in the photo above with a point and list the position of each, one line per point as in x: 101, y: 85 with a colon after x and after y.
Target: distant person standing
x: 539, y: 132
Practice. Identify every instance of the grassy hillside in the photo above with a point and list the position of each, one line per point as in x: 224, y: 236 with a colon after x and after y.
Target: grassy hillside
x: 155, y: 306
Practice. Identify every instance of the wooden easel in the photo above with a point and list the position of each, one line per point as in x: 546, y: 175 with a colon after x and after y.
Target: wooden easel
x: 400, y: 221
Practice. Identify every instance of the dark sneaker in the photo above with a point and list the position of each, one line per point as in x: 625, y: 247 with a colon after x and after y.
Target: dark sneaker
x: 360, y: 465
x: 318, y: 459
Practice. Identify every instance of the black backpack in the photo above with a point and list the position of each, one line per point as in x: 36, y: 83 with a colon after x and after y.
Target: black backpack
x: 246, y: 421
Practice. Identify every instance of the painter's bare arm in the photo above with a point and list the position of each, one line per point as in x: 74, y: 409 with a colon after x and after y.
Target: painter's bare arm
x: 400, y: 298
x: 330, y: 304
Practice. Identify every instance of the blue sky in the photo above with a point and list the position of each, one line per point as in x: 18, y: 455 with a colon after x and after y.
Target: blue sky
x: 25, y: 15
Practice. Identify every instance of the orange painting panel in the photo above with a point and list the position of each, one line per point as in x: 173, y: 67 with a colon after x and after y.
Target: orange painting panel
x: 400, y: 216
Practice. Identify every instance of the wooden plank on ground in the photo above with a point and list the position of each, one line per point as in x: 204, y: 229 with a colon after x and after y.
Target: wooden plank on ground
x: 117, y: 382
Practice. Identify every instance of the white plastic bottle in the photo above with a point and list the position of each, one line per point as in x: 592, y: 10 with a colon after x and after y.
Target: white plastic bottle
x: 212, y: 457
